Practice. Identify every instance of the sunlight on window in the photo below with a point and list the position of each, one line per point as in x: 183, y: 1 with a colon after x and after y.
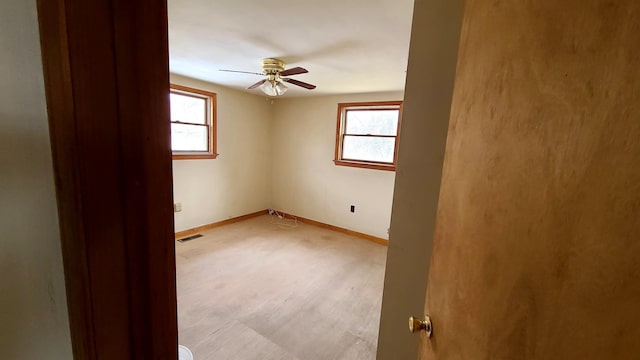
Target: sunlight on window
x: 368, y: 134
x: 188, y: 137
x: 192, y: 123
x: 188, y: 109
x: 368, y: 149
x: 372, y: 122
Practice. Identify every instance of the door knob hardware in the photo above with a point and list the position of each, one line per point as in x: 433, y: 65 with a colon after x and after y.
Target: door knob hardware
x: 416, y: 325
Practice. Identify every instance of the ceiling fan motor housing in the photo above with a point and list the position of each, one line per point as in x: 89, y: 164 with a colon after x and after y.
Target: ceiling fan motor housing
x: 272, y: 66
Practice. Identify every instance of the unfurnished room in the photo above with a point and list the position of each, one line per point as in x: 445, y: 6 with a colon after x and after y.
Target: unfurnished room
x: 285, y: 121
x: 319, y: 180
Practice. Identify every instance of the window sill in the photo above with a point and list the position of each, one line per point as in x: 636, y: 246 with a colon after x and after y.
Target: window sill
x: 193, y: 156
x: 365, y: 165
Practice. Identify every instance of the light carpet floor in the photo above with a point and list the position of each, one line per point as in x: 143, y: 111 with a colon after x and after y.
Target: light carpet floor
x: 256, y: 291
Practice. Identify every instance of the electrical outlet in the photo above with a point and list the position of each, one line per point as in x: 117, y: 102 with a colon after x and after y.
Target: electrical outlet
x: 177, y: 207
x: 353, y: 208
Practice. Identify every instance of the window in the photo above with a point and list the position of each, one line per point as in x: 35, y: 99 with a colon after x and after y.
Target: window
x: 193, y: 123
x: 367, y: 134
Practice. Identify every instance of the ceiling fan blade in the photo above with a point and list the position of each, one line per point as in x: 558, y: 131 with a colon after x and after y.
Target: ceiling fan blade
x: 257, y: 84
x: 243, y: 72
x: 294, y: 71
x: 300, y: 83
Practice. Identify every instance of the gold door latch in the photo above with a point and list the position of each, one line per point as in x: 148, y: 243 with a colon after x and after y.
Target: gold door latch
x: 417, y: 325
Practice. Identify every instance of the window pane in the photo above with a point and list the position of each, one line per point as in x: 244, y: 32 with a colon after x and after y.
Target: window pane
x: 372, y: 122
x: 188, y: 109
x: 189, y: 137
x: 369, y: 148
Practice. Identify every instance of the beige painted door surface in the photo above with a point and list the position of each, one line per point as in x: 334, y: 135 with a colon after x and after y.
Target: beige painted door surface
x: 537, y: 244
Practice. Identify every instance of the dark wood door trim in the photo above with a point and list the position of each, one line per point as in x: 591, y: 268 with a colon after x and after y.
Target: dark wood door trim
x: 107, y: 83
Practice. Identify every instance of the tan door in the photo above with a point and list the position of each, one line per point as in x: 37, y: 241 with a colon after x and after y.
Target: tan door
x: 537, y: 244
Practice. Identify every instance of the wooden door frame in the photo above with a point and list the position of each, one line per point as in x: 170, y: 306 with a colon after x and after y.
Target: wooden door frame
x: 107, y: 83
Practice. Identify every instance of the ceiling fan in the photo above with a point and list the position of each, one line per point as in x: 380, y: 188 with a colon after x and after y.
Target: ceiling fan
x: 273, y: 84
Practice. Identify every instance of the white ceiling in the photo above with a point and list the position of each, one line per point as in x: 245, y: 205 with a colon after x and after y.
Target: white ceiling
x: 348, y: 46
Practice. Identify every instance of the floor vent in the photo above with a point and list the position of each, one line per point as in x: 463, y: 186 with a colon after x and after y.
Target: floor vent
x: 190, y: 238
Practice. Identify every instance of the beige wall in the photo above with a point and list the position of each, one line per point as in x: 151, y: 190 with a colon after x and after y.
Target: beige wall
x: 307, y: 183
x: 238, y: 182
x: 33, y: 315
x: 428, y: 92
x: 280, y: 155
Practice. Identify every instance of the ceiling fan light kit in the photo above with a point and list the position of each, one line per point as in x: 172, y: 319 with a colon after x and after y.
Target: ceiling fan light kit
x: 274, y: 70
x: 273, y: 88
